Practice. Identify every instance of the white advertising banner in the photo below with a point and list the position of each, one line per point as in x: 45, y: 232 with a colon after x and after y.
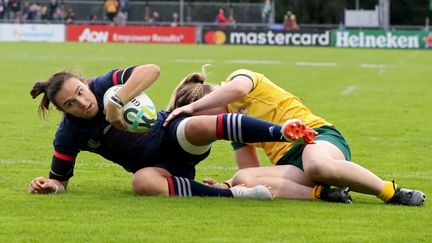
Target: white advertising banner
x: 32, y: 32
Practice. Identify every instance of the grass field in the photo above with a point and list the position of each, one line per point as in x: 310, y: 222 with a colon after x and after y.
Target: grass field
x: 379, y: 99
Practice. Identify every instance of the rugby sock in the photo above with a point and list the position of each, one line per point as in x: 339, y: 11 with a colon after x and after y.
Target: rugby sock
x: 316, y: 192
x: 388, y: 192
x: 183, y: 187
x: 246, y: 129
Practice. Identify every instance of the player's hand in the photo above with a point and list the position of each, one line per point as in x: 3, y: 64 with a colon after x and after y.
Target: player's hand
x: 42, y: 185
x: 114, y: 115
x: 213, y: 183
x: 187, y: 109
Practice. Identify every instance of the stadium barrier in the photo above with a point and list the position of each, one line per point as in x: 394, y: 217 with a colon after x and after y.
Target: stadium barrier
x: 244, y: 36
x: 406, y: 39
x: 382, y: 39
x: 133, y: 34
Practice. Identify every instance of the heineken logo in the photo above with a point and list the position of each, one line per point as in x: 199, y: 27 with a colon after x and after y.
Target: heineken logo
x: 377, y: 39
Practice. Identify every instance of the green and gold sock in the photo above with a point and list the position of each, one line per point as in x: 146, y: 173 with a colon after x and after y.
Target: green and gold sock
x: 388, y: 192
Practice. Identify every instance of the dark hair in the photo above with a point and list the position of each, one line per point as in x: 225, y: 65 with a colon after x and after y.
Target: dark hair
x: 192, y: 88
x: 50, y: 88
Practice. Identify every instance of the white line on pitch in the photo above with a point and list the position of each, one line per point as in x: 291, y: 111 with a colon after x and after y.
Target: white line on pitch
x: 265, y: 62
x: 194, y: 60
x: 367, y: 65
x: 349, y: 90
x: 317, y: 64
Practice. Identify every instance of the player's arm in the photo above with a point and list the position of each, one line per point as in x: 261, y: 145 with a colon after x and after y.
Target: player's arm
x: 246, y: 156
x: 139, y: 79
x: 62, y: 167
x: 224, y: 95
x: 232, y: 91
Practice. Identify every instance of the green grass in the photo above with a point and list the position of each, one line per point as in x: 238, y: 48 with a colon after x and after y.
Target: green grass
x: 384, y: 112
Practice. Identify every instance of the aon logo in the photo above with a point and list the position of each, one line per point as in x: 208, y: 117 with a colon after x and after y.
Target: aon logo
x: 93, y: 36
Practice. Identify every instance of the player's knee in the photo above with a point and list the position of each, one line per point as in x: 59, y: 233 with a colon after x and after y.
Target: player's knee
x: 319, y: 169
x: 147, y: 183
x: 243, y: 177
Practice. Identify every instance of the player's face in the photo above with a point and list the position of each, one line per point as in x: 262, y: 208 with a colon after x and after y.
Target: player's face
x: 76, y: 98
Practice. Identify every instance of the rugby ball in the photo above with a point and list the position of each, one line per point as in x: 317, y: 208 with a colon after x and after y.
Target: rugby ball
x: 139, y: 114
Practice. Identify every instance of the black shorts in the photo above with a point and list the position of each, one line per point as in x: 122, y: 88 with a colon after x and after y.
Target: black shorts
x: 174, y: 158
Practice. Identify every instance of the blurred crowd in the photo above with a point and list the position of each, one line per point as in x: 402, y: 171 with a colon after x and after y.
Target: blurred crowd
x: 22, y: 11
x: 116, y: 12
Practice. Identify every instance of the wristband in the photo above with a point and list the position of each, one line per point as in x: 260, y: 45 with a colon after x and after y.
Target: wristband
x: 116, y: 100
x: 227, y: 184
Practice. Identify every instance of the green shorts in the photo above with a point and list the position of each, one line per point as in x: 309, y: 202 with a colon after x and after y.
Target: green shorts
x: 325, y: 133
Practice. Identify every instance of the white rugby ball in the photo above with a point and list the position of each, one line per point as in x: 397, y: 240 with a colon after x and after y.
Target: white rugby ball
x: 139, y: 114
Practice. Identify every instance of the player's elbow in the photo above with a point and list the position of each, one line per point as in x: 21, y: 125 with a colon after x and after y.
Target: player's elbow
x: 151, y: 71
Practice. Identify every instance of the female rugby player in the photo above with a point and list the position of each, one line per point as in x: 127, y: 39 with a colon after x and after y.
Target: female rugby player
x: 326, y: 161
x: 163, y: 159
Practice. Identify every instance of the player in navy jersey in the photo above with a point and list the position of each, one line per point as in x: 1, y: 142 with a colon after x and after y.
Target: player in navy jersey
x: 163, y: 159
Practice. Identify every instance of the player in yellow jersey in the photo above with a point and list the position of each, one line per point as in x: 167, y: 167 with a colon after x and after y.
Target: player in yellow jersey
x: 327, y: 161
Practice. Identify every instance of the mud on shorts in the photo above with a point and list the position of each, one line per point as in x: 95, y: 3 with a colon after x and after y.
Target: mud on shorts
x: 325, y: 133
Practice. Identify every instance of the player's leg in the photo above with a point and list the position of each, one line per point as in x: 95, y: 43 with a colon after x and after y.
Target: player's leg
x: 153, y: 181
x: 275, y: 178
x: 202, y: 130
x: 288, y: 181
x: 324, y: 162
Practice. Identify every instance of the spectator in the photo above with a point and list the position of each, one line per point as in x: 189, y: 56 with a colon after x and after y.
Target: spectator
x: 69, y: 16
x: 53, y: 8
x: 231, y: 22
x: 220, y: 20
x: 124, y: 12
x: 33, y: 12
x: 44, y: 13
x: 174, y: 19
x: 2, y: 9
x: 290, y: 21
x: 266, y: 12
x: 154, y: 18
x: 111, y: 9
x: 14, y: 10
x: 58, y: 15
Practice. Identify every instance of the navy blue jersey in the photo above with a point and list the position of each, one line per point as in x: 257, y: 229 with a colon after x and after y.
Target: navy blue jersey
x: 133, y: 151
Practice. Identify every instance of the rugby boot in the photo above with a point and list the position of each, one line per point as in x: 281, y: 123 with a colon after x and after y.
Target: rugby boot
x: 296, y: 132
x: 407, y: 197
x: 336, y: 194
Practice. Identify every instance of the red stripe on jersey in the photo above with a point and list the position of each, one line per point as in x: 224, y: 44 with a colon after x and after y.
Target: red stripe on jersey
x: 219, y: 127
x: 114, y: 77
x: 170, y: 186
x: 64, y: 157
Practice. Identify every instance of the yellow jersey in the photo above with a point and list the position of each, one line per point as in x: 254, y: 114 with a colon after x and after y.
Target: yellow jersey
x: 270, y: 102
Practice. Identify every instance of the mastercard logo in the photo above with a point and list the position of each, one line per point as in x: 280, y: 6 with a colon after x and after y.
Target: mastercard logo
x: 215, y: 37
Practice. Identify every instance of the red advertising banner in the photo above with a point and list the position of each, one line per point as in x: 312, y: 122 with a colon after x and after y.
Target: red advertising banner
x: 134, y: 34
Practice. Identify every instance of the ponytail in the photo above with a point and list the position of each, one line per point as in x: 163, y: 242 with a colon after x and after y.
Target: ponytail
x: 192, y: 88
x: 49, y: 88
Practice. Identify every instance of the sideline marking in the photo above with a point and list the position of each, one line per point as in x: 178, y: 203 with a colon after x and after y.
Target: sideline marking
x: 194, y: 60
x: 317, y: 64
x: 264, y: 62
x: 367, y: 65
